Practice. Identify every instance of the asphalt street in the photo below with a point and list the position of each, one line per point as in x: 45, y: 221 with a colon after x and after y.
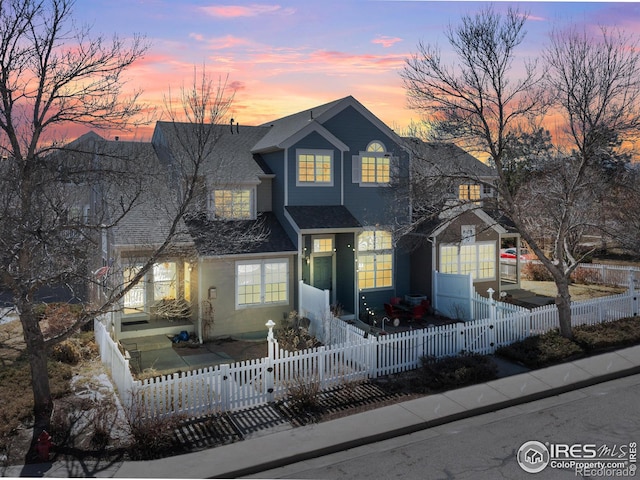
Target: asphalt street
x: 485, y: 446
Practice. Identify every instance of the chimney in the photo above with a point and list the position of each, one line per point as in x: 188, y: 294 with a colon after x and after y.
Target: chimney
x: 231, y: 126
x: 117, y: 138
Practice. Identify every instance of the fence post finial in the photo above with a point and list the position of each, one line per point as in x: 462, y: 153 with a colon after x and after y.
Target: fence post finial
x: 492, y: 305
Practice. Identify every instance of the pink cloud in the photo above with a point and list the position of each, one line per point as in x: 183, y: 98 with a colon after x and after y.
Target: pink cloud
x: 235, y: 11
x: 333, y: 58
x: 386, y: 41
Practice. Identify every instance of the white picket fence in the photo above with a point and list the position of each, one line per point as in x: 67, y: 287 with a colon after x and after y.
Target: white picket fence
x: 358, y: 356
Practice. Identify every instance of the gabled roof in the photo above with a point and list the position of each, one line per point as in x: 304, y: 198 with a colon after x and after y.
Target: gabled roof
x: 434, y: 227
x: 229, y: 158
x: 447, y: 158
x: 286, y: 130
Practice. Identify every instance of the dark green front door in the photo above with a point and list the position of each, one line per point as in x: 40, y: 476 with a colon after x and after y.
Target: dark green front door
x: 322, y: 268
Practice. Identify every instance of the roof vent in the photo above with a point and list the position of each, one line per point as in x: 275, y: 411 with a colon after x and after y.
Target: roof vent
x: 231, y: 126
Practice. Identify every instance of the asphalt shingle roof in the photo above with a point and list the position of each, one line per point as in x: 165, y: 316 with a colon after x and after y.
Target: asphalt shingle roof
x: 229, y: 158
x: 322, y: 216
x: 448, y: 158
x: 283, y: 128
x: 229, y: 237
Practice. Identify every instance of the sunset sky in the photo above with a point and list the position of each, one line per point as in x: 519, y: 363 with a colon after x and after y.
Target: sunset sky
x: 286, y: 56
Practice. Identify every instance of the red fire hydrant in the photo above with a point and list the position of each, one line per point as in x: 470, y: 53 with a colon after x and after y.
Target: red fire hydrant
x: 43, y: 446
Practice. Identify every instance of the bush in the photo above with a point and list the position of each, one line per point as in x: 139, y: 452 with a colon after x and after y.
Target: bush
x: 586, y: 276
x: 303, y: 395
x: 541, y: 350
x: 66, y: 352
x: 293, y: 333
x: 452, y: 372
x: 153, y: 435
x: 536, y: 272
x: 552, y: 348
x: 619, y: 333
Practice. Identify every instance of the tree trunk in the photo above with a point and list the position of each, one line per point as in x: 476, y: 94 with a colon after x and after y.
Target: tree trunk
x: 563, y: 302
x: 42, y: 401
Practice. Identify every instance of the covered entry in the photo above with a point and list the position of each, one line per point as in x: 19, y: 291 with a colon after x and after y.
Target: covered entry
x: 327, y: 251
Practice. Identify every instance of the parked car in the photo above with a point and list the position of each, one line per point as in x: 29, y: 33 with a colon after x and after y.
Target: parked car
x: 511, y: 253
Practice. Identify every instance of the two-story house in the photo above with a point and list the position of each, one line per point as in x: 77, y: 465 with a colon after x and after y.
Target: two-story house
x: 311, y: 197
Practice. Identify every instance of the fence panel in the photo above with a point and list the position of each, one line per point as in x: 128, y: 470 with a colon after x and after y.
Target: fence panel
x: 244, y: 384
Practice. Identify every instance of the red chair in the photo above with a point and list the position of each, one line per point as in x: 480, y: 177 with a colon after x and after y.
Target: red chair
x: 388, y: 309
x: 395, y: 300
x: 418, y: 312
x: 394, y: 313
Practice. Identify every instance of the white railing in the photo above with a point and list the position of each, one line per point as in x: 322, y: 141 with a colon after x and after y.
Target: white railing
x: 244, y: 384
x: 118, y: 365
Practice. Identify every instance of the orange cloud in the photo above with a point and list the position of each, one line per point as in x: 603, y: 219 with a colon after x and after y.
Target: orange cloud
x: 236, y: 11
x: 385, y: 41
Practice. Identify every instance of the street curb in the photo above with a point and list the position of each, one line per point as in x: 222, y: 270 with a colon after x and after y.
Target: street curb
x: 418, y: 426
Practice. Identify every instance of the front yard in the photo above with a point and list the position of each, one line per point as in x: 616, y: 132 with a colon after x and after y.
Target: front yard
x: 578, y: 291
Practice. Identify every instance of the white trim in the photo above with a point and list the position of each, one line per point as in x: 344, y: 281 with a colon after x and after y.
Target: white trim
x: 310, y: 128
x: 475, y: 278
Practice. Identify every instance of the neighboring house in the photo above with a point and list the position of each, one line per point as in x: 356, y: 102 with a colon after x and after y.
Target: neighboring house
x: 310, y: 197
x: 459, y: 236
x: 465, y: 243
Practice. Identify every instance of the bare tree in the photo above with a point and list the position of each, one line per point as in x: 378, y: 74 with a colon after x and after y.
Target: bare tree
x: 54, y: 74
x: 547, y: 193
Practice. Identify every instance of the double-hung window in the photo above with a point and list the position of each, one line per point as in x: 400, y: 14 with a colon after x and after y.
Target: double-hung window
x: 469, y: 192
x: 375, y: 259
x: 314, y: 167
x: 262, y: 282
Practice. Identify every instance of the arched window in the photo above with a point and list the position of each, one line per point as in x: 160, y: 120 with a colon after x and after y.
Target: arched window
x: 372, y: 166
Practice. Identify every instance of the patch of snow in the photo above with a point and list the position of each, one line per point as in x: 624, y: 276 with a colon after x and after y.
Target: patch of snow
x: 7, y: 315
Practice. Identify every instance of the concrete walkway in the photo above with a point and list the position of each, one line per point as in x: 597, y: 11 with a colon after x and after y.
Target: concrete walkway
x: 280, y: 448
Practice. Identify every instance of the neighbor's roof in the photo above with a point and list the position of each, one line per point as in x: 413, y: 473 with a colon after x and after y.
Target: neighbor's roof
x: 448, y: 158
x: 143, y: 186
x: 229, y: 158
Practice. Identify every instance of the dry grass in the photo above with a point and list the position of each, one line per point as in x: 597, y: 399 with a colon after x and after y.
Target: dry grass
x: 578, y: 292
x: 16, y: 413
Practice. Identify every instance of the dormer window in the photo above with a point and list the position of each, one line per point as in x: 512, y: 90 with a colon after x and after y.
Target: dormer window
x: 232, y: 204
x: 373, y: 166
x: 469, y: 192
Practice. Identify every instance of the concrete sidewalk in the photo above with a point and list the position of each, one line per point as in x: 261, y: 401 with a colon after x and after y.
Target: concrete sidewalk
x: 290, y: 446
x: 284, y: 447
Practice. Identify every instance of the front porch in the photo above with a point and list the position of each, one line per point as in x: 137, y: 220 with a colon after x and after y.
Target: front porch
x: 147, y: 326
